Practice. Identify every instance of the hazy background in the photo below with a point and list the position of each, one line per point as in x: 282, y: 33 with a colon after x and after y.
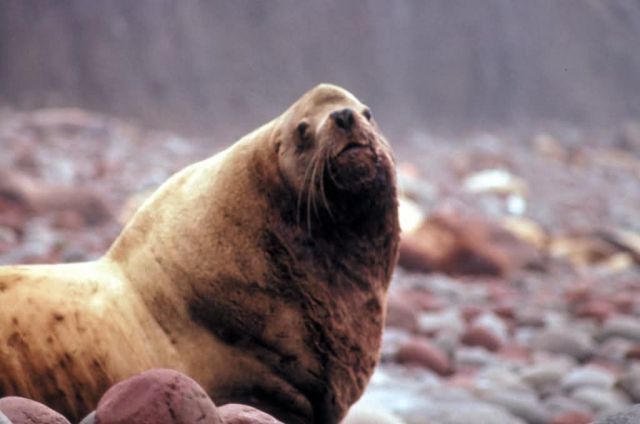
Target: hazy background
x: 220, y: 68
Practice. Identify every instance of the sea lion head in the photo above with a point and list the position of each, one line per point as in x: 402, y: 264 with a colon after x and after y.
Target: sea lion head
x: 330, y: 149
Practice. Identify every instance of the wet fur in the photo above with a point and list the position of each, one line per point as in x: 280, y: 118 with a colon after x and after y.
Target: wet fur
x: 266, y: 291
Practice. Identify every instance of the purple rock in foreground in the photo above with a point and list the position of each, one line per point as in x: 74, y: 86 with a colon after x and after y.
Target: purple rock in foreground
x: 26, y: 411
x: 158, y: 396
x: 235, y: 413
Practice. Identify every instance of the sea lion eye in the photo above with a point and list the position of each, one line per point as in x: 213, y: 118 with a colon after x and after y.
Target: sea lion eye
x: 304, y: 138
x: 367, y: 114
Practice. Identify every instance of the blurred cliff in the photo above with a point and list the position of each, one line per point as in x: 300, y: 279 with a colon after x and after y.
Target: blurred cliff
x: 221, y: 68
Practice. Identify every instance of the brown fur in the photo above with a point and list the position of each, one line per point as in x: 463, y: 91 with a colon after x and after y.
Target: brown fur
x: 260, y: 272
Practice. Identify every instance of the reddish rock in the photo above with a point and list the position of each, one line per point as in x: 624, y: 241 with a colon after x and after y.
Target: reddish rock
x: 401, y: 312
x: 26, y: 411
x: 470, y: 312
x: 159, y: 396
x: 633, y: 352
x: 235, y: 413
x: 573, y: 417
x: 422, y: 353
x: 507, y: 312
x: 596, y: 309
x: 480, y: 336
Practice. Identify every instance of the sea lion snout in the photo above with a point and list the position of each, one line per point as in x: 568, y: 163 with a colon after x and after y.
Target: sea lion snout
x: 344, y: 118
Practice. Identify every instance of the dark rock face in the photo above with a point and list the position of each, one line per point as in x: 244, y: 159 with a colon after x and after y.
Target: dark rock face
x: 158, y: 396
x: 26, y: 411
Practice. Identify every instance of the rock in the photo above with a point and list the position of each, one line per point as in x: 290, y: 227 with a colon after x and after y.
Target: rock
x: 234, y: 413
x: 400, y: 313
x: 462, y: 411
x: 422, y: 353
x: 521, y: 404
x: 26, y: 411
x: 560, y: 404
x: 4, y: 419
x: 573, y: 417
x: 368, y: 415
x: 480, y: 336
x: 630, y: 382
x: 567, y: 341
x: 630, y: 416
x: 456, y: 245
x: 474, y: 357
x: 627, y: 327
x: 633, y: 352
x: 597, y: 309
x: 89, y: 419
x: 449, y: 319
x: 588, y: 376
x: 159, y: 396
x: 545, y: 374
x: 494, y: 324
x: 600, y: 400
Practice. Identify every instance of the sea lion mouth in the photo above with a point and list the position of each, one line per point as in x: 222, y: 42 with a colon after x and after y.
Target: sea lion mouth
x: 352, y: 146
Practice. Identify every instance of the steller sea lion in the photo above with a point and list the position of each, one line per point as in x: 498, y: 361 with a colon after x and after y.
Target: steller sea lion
x: 261, y: 272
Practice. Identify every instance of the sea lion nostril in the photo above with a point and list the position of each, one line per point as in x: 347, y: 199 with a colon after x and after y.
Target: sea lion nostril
x: 344, y: 118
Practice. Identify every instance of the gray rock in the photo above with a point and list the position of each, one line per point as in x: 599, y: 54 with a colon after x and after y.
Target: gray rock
x: 576, y: 344
x: 546, y: 374
x: 627, y: 327
x: 521, y: 404
x: 588, y: 376
x: 89, y: 419
x: 600, y: 400
x: 630, y: 416
x: 449, y: 319
x: 361, y: 414
x: 630, y: 382
x: 559, y: 404
x: 458, y: 412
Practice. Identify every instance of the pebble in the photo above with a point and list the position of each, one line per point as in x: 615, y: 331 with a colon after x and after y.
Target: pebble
x: 483, y: 337
x: 20, y: 410
x: 546, y: 373
x: 521, y: 404
x: 630, y: 382
x: 422, y: 353
x: 449, y: 319
x: 459, y: 412
x: 234, y: 413
x: 588, y: 376
x: 622, y: 326
x: 494, y: 325
x: 360, y: 414
x: 89, y: 419
x: 630, y: 416
x: 573, y: 417
x: 576, y: 344
x: 159, y: 396
x: 600, y: 400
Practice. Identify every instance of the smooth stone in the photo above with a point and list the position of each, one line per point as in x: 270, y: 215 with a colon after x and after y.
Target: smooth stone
x: 572, y: 417
x: 493, y: 324
x: 482, y: 337
x: 422, y: 353
x: 392, y: 339
x: 521, y: 404
x: 561, y: 404
x: 588, y: 376
x: 630, y: 382
x: 565, y: 341
x: 622, y: 326
x: 447, y: 340
x: 600, y: 400
x: 20, y: 410
x: 545, y: 374
x: 235, y: 413
x: 159, y: 396
x: 630, y: 416
x: 458, y: 412
x: 89, y: 419
x: 361, y: 414
x: 4, y: 419
x: 474, y: 356
x: 432, y: 322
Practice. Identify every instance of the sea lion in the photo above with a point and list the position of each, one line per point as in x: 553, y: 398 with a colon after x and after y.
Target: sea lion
x: 261, y: 272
